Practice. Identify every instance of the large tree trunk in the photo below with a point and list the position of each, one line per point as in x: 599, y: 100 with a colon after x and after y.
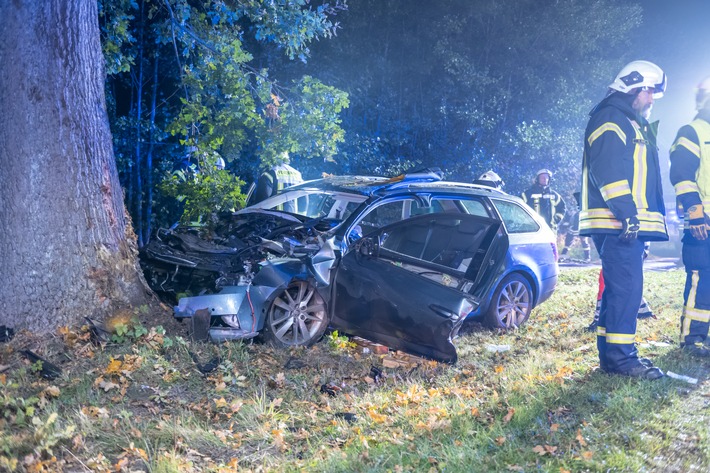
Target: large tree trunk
x: 66, y: 246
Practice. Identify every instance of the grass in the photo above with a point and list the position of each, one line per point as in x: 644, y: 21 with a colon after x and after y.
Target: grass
x: 141, y: 405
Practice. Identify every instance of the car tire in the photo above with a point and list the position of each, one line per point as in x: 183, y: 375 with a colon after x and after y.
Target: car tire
x: 296, y: 316
x: 511, y: 303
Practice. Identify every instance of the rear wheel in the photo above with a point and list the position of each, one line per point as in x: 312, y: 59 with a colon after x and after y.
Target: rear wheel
x: 511, y: 303
x: 297, y: 316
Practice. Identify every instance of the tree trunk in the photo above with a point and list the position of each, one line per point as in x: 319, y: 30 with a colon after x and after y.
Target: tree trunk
x: 66, y: 244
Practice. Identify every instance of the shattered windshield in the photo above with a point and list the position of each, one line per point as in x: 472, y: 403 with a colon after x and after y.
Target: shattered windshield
x: 313, y: 203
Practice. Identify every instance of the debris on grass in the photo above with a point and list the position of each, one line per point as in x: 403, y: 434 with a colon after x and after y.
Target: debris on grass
x: 682, y: 377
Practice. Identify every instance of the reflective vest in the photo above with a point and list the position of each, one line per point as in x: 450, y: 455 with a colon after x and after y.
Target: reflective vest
x: 621, y: 173
x: 286, y: 176
x: 690, y: 165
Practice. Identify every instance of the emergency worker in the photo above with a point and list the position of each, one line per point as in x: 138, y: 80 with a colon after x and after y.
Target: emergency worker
x: 274, y: 180
x: 571, y: 226
x: 690, y: 176
x: 490, y: 179
x: 622, y: 207
x: 545, y: 201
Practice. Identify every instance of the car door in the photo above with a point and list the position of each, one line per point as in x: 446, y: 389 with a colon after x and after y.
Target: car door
x: 411, y: 284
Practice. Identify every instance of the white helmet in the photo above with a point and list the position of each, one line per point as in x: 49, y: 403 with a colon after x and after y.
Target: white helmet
x: 702, y: 94
x: 491, y: 179
x: 543, y: 171
x: 640, y: 74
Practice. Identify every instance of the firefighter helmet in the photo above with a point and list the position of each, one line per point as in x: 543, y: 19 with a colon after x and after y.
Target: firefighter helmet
x: 490, y: 179
x: 638, y: 74
x: 702, y: 94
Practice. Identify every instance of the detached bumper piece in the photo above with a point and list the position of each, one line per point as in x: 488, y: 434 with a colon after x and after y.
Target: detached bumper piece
x: 228, y: 315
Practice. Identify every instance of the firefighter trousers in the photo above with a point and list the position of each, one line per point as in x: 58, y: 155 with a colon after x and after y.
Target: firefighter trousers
x: 695, y: 320
x: 622, y: 266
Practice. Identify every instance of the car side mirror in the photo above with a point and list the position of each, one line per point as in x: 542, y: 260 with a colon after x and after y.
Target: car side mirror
x: 366, y: 247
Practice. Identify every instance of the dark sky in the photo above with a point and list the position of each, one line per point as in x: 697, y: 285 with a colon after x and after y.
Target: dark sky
x: 676, y: 36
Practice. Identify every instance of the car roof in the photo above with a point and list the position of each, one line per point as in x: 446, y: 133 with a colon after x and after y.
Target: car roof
x: 382, y: 186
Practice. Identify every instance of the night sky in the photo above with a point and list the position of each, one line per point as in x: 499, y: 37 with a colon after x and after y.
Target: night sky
x: 676, y: 36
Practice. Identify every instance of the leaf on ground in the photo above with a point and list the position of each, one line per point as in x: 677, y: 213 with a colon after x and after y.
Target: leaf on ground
x: 544, y: 449
x: 509, y: 415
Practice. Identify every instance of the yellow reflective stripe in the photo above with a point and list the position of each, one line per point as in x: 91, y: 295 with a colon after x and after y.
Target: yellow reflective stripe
x: 595, y: 213
x: 638, y: 188
x: 620, y: 338
x: 696, y: 314
x: 615, y: 189
x: 608, y: 126
x: 690, y: 304
x: 601, y: 331
x: 686, y: 187
x: 687, y: 144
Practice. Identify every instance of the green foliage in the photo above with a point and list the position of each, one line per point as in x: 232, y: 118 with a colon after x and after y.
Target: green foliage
x: 211, y: 95
x: 27, y: 430
x: 128, y: 332
x: 204, y: 194
x: 339, y: 342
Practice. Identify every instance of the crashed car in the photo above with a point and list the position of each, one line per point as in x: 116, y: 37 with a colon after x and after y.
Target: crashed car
x: 400, y: 261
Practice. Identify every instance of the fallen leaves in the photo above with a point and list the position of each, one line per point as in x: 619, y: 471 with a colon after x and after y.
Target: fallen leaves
x: 544, y: 449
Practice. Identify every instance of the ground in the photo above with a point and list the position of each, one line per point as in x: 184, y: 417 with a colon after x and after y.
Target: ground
x: 526, y: 400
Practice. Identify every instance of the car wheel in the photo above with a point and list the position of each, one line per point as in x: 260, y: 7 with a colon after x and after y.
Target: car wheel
x: 511, y: 303
x: 297, y: 316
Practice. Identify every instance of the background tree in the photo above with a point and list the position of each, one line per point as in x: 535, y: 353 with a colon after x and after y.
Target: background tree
x: 471, y: 86
x: 191, y: 79
x: 66, y: 245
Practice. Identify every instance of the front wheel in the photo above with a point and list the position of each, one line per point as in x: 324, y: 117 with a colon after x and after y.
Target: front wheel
x: 511, y: 303
x: 297, y: 316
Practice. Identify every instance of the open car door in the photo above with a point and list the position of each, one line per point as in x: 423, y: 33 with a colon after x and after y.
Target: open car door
x: 411, y: 284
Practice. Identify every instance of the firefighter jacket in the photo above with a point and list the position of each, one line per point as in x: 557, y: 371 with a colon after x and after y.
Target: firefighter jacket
x: 548, y: 203
x: 621, y: 175
x: 274, y: 180
x: 690, y: 163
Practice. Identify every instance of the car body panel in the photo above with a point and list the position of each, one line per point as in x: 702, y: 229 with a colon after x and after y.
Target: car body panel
x: 385, y: 296
x: 254, y: 254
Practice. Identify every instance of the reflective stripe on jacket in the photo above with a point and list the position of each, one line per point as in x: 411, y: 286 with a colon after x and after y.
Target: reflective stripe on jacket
x: 620, y: 172
x: 286, y: 176
x: 546, y: 202
x: 690, y: 164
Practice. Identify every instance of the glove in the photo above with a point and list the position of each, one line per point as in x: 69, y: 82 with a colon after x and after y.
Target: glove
x: 629, y: 229
x: 696, y: 219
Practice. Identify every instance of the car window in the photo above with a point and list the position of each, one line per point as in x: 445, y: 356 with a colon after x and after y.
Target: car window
x: 515, y: 218
x: 451, y: 242
x: 314, y: 203
x: 382, y: 215
x: 475, y: 207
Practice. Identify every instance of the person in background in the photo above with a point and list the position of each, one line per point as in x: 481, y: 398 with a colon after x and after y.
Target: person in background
x: 622, y: 208
x: 490, y: 179
x: 690, y: 176
x: 571, y: 226
x: 274, y: 180
x: 545, y: 201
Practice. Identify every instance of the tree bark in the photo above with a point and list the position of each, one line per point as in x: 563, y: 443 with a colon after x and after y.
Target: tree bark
x: 66, y: 245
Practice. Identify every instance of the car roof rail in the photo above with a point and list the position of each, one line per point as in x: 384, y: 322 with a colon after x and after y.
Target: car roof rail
x: 431, y: 174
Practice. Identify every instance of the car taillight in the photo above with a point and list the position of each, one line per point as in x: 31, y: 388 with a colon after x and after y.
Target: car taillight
x: 554, y: 251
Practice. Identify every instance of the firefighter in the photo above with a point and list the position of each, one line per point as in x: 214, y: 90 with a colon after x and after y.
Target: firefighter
x: 690, y: 176
x: 545, y: 201
x: 490, y: 179
x: 570, y: 226
x: 274, y: 180
x: 622, y: 207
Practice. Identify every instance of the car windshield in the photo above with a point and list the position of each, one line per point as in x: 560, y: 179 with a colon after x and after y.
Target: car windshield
x: 313, y: 203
